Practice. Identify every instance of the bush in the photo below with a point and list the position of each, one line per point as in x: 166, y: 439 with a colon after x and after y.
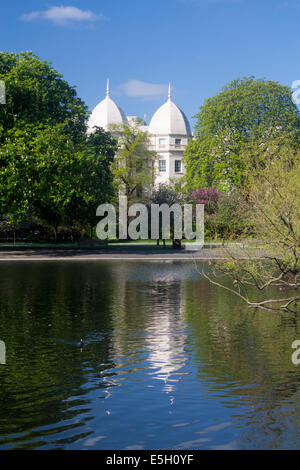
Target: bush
x: 207, y: 196
x: 230, y: 220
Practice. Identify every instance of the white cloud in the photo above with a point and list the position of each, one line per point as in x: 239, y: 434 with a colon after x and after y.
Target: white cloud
x: 31, y: 16
x: 62, y: 15
x: 139, y: 89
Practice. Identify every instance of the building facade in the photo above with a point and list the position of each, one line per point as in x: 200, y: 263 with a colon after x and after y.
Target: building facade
x: 169, y: 132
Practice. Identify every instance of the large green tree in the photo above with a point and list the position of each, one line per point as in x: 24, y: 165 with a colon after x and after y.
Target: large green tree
x: 245, y: 110
x: 46, y: 175
x: 36, y: 93
x: 50, y: 169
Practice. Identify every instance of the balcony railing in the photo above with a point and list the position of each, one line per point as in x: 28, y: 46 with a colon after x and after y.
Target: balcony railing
x: 168, y: 147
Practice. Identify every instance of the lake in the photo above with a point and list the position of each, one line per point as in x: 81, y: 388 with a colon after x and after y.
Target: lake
x: 168, y: 361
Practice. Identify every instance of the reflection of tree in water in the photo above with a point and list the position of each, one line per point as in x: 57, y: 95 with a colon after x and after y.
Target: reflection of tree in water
x: 132, y: 318
x: 44, y: 311
x: 245, y: 357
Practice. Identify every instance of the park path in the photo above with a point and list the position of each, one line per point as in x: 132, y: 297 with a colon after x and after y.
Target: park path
x: 82, y: 255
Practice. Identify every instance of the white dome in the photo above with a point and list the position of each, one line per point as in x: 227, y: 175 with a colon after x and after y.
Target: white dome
x: 105, y: 113
x: 169, y: 120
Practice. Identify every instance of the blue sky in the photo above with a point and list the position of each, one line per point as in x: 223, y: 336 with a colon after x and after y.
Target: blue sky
x: 197, y: 45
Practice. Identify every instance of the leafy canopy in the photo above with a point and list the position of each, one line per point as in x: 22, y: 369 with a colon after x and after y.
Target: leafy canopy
x: 49, y: 168
x: 47, y: 175
x: 36, y: 93
x: 245, y: 110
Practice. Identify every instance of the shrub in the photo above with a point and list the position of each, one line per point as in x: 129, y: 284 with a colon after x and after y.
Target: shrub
x: 230, y: 220
x: 207, y: 196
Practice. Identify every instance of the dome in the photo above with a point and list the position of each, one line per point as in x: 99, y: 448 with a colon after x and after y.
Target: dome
x: 105, y: 113
x: 169, y: 120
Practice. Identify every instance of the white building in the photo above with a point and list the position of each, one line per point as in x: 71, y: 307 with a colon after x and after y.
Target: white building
x: 169, y: 132
x: 107, y: 112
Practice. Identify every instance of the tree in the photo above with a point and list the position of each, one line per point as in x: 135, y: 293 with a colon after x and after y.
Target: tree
x: 133, y: 167
x: 46, y: 175
x: 95, y: 182
x: 245, y: 110
x: 49, y: 168
x: 271, y: 266
x: 37, y: 94
x: 166, y: 194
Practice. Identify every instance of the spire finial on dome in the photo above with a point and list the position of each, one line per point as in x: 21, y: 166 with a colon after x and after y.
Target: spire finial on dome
x: 107, y: 88
x: 169, y: 92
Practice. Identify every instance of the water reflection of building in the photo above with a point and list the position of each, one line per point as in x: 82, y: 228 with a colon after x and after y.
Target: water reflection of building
x: 166, y: 338
x: 148, y: 323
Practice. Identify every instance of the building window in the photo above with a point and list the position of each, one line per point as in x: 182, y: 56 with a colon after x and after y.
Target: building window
x: 177, y: 141
x: 162, y: 142
x: 177, y: 166
x: 162, y: 165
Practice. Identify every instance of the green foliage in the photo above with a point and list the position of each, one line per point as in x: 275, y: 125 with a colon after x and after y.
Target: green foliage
x: 36, y: 93
x: 245, y: 110
x: 230, y: 219
x: 278, y: 146
x: 166, y: 194
x: 46, y: 175
x: 49, y: 168
x: 272, y: 192
x: 274, y: 198
x: 133, y: 166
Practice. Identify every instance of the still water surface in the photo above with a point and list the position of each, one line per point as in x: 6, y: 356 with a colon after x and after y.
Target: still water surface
x: 168, y: 362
